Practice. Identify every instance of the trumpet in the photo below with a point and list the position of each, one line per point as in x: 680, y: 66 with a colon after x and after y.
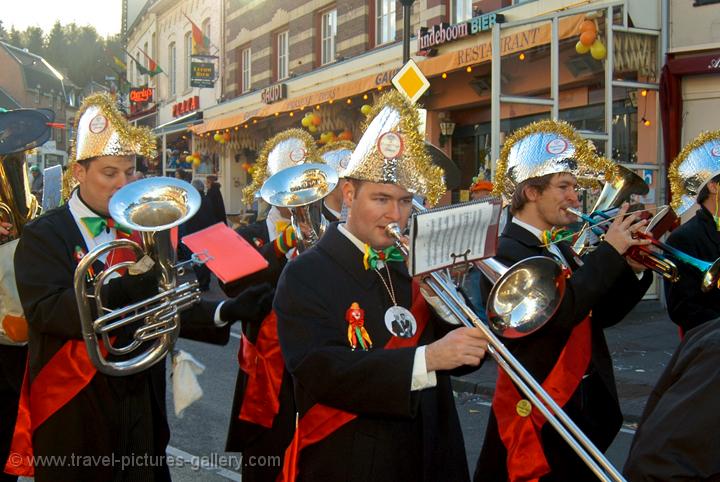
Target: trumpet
x: 624, y: 184
x: 152, y: 207
x: 525, y: 279
x: 664, y: 262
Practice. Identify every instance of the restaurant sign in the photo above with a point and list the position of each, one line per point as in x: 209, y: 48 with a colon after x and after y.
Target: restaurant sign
x: 442, y: 33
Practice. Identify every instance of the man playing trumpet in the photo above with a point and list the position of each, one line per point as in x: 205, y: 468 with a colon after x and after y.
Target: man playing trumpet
x: 539, y: 169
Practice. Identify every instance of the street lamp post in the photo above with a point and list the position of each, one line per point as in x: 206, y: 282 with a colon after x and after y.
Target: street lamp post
x: 406, y: 4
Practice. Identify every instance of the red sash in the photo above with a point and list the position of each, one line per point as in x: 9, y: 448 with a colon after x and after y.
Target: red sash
x: 67, y: 373
x: 520, y: 428
x: 264, y: 365
x: 321, y: 420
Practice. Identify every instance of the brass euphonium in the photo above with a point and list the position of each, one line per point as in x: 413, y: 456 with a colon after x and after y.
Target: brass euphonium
x: 616, y: 191
x: 301, y: 189
x: 152, y: 207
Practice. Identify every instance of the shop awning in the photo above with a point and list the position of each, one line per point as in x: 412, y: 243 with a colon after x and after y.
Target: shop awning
x: 180, y: 124
x: 513, y: 40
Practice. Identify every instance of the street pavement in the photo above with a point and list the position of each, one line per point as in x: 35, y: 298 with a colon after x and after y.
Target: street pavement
x: 641, y: 346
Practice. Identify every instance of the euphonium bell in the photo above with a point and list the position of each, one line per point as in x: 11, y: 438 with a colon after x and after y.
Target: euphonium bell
x: 152, y: 207
x: 299, y: 188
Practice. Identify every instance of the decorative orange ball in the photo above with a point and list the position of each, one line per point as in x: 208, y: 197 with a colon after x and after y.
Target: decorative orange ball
x: 588, y: 26
x: 587, y: 38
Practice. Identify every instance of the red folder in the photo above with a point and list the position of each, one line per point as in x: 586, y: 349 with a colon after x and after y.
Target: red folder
x: 229, y: 256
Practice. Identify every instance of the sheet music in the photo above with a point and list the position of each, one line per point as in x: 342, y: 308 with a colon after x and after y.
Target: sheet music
x: 436, y: 234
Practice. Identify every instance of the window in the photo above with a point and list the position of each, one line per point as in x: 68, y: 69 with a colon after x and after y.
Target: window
x: 461, y: 10
x: 246, y: 68
x: 283, y: 58
x: 328, y: 32
x: 131, y: 77
x: 385, y: 21
x: 188, y: 58
x: 172, y: 64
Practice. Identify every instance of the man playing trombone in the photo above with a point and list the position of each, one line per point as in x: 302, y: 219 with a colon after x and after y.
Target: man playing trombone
x: 372, y: 405
x: 539, y: 168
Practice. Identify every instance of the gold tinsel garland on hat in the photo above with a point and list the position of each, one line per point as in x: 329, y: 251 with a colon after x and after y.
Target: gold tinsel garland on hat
x: 584, y: 151
x: 259, y: 170
x: 141, y: 137
x: 677, y: 183
x: 429, y: 177
x: 336, y: 146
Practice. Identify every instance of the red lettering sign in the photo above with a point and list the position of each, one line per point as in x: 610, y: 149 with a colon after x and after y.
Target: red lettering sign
x: 186, y: 106
x: 141, y: 94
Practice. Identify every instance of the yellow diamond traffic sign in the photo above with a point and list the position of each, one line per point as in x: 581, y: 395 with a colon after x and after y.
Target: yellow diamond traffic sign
x: 410, y: 81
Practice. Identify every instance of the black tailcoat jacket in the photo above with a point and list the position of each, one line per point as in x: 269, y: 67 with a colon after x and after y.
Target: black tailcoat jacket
x: 605, y: 285
x: 243, y: 436
x: 398, y: 434
x: 687, y: 305
x: 678, y: 434
x: 117, y: 415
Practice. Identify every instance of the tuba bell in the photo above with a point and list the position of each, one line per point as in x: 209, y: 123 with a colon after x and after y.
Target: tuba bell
x: 20, y: 130
x: 298, y: 188
x: 151, y: 207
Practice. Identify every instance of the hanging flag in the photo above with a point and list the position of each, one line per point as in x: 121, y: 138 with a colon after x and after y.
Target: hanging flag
x: 120, y: 64
x: 140, y: 68
x: 200, y: 41
x: 153, y: 67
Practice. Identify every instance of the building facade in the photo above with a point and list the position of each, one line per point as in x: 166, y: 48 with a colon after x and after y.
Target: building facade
x: 283, y: 59
x: 164, y: 96
x: 691, y: 74
x: 28, y: 81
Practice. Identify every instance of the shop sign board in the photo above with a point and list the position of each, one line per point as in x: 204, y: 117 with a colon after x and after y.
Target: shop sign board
x: 273, y: 93
x: 186, y: 106
x: 202, y: 74
x: 439, y: 34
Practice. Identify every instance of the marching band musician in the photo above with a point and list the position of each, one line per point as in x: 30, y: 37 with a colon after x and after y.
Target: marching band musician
x: 695, y: 179
x: 262, y: 420
x: 677, y: 438
x: 68, y: 408
x: 335, y: 154
x: 374, y: 402
x: 20, y: 130
x: 539, y: 168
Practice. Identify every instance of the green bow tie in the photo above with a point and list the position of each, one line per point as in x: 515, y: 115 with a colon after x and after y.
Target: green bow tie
x: 96, y: 224
x: 554, y: 235
x: 372, y: 256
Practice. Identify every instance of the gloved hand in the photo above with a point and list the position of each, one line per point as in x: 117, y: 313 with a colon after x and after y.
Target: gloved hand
x: 251, y: 306
x: 128, y: 289
x: 286, y: 241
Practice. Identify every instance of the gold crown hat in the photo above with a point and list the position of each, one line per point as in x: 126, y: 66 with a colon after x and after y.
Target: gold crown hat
x: 392, y: 150
x: 548, y: 147
x: 286, y: 149
x: 102, y: 130
x: 693, y: 168
x: 337, y: 154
